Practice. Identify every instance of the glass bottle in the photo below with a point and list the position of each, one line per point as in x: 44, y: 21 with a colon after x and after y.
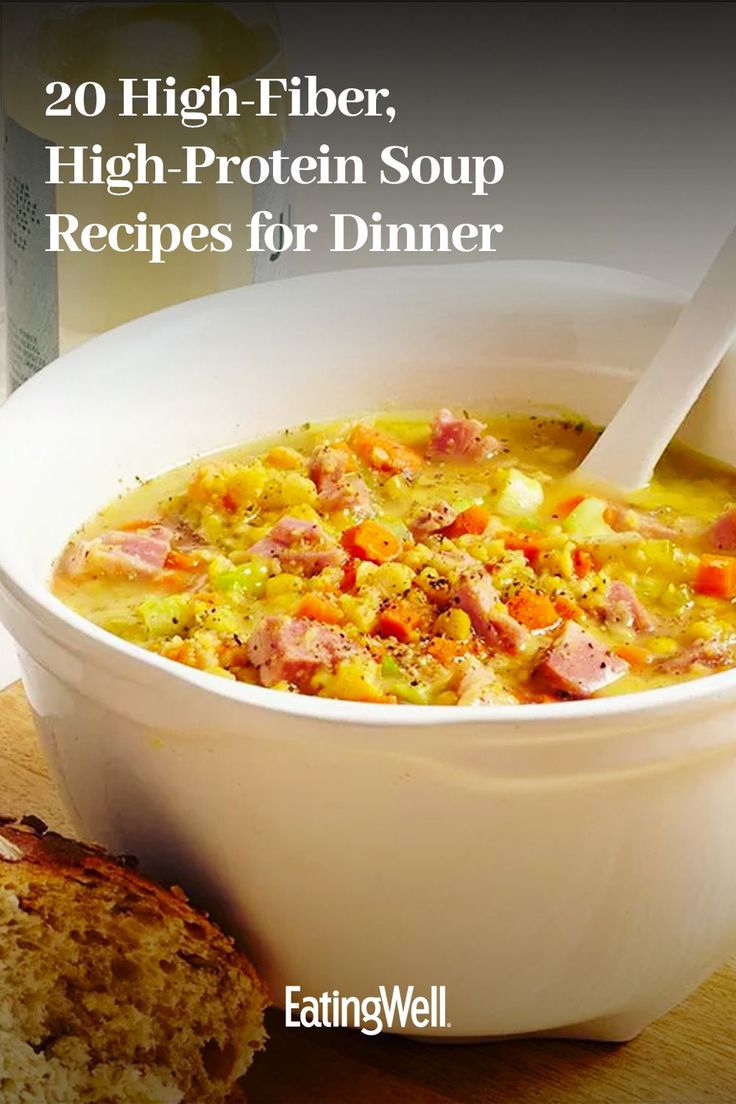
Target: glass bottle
x: 54, y: 301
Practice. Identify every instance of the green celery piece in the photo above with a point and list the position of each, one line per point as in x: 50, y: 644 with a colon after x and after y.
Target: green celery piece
x: 166, y: 616
x: 396, y: 683
x: 586, y: 520
x: 247, y: 579
x: 464, y: 503
x: 390, y: 668
x: 415, y: 695
x: 223, y: 619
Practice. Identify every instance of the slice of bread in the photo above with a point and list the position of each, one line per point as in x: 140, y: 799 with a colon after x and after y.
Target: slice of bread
x: 113, y: 989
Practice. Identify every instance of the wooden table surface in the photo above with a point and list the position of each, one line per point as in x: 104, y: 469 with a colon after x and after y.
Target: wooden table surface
x: 688, y: 1057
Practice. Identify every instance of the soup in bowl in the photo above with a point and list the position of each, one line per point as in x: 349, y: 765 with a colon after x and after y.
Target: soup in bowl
x: 560, y: 862
x: 428, y: 560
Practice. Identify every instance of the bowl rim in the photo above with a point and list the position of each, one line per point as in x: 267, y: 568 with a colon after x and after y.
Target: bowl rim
x: 64, y: 624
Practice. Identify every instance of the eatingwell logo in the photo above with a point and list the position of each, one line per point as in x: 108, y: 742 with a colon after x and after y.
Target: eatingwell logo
x: 391, y: 1008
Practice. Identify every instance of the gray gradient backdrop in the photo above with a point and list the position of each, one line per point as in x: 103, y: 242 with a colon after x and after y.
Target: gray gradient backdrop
x: 616, y: 121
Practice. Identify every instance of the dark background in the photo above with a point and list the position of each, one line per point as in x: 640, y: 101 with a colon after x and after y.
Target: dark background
x: 616, y: 122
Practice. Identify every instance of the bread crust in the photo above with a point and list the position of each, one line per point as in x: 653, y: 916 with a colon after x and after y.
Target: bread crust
x: 29, y: 840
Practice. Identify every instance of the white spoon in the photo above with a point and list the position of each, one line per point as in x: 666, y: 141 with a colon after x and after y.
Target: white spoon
x: 627, y: 451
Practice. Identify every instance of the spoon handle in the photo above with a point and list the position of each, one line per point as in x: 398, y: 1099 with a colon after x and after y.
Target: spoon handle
x: 628, y: 450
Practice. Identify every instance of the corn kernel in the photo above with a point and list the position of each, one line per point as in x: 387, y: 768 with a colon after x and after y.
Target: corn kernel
x: 248, y: 535
x: 395, y: 488
x: 392, y: 579
x: 220, y: 619
x: 298, y: 488
x: 564, y: 562
x: 513, y: 568
x: 328, y: 581
x: 454, y: 623
x: 354, y: 680
x: 245, y: 483
x: 701, y: 630
x: 306, y: 512
x: 478, y: 549
x: 432, y: 583
x: 364, y: 573
x: 285, y: 458
x: 362, y: 612
x: 663, y: 645
x: 288, y: 489
x: 284, y: 584
x: 212, y: 526
x: 418, y: 556
x: 285, y: 603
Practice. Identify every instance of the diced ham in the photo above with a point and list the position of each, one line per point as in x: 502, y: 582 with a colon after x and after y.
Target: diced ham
x: 625, y: 520
x: 339, y: 487
x: 349, y: 493
x: 623, y: 606
x: 185, y: 539
x: 722, y: 534
x: 285, y: 533
x: 136, y: 553
x: 432, y: 520
x: 297, y: 543
x: 476, y: 594
x: 579, y: 665
x: 706, y: 653
x: 465, y: 437
x: 453, y: 560
x: 479, y: 686
x: 294, y: 649
x: 657, y: 530
x: 329, y: 463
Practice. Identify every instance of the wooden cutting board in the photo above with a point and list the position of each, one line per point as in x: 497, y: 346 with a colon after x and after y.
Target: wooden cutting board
x: 689, y: 1057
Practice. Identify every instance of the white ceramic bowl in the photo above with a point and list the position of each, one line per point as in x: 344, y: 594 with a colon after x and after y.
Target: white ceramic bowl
x: 559, y: 868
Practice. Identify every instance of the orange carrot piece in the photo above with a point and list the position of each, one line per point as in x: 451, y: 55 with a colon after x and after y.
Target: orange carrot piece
x: 445, y: 650
x: 349, y: 576
x: 344, y: 448
x: 138, y: 523
x: 532, y: 609
x: 371, y: 541
x: 177, y: 652
x: 384, y: 453
x: 317, y: 607
x: 562, y: 509
x: 582, y: 562
x: 716, y: 576
x: 530, y: 545
x: 181, y: 561
x: 229, y: 503
x: 172, y: 580
x: 401, y: 620
x: 566, y: 608
x: 473, y: 520
x: 634, y: 654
